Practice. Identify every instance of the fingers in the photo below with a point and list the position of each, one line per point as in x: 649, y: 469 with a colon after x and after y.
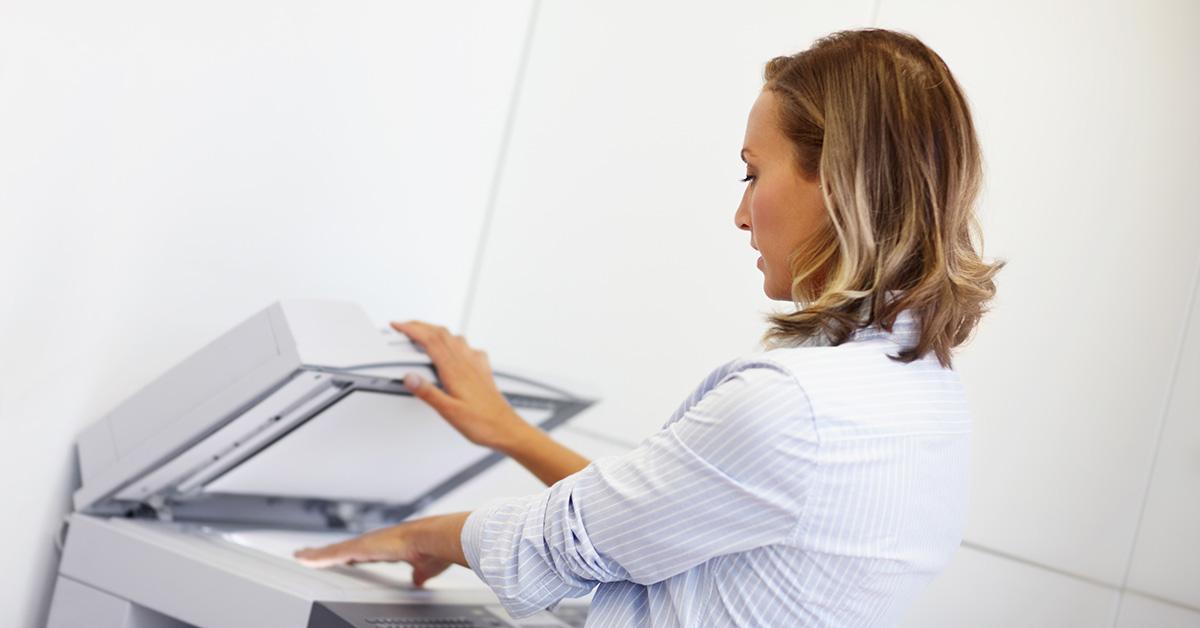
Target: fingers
x: 481, y: 359
x: 468, y: 397
x: 434, y: 336
x: 343, y: 553
x: 433, y: 339
x: 425, y: 333
x: 444, y: 348
x: 425, y: 391
x: 456, y: 361
x: 385, y: 545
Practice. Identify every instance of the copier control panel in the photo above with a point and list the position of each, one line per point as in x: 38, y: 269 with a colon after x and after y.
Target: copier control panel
x: 342, y: 615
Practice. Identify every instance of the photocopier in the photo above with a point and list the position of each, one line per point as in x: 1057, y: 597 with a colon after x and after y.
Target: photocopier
x: 292, y: 429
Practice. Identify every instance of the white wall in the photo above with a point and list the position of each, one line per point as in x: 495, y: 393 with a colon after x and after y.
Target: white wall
x: 166, y: 171
x: 613, y: 226
x: 1088, y: 124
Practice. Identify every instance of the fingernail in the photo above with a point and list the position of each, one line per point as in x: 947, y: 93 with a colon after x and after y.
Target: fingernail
x: 412, y: 381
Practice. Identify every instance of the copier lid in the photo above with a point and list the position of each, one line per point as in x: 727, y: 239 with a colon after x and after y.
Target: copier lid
x: 295, y: 418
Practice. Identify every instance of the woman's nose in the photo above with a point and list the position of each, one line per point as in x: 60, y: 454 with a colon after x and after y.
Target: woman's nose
x: 741, y: 218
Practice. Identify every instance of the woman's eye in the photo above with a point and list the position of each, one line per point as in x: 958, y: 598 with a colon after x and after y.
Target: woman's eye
x: 748, y: 178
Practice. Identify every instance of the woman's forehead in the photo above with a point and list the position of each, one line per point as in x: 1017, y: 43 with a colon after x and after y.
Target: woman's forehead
x: 762, y: 128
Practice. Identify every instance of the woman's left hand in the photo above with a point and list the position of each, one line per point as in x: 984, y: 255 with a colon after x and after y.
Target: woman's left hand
x: 430, y: 545
x: 471, y: 401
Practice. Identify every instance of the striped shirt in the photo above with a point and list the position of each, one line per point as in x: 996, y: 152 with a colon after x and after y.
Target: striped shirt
x: 803, y: 486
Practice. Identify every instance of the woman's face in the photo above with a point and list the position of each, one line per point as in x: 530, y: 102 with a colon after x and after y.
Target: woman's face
x: 780, y: 208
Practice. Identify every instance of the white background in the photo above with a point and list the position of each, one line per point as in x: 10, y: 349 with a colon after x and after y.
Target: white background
x: 558, y: 180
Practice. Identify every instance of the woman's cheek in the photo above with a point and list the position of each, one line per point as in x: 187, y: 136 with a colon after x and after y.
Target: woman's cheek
x: 766, y: 227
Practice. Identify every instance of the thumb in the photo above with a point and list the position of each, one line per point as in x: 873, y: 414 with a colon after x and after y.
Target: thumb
x: 419, y: 577
x: 425, y: 568
x: 425, y: 391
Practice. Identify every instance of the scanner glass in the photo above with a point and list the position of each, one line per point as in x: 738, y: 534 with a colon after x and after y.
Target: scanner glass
x: 369, y: 446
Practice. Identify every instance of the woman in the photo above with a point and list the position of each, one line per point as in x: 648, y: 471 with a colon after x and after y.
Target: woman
x: 820, y: 482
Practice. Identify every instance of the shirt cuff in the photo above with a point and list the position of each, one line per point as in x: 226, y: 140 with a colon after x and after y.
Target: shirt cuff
x: 472, y: 534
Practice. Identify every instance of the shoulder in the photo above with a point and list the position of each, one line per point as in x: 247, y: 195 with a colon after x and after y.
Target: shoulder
x: 754, y: 393
x: 755, y: 375
x: 755, y: 412
x: 867, y: 361
x: 734, y: 374
x: 857, y: 390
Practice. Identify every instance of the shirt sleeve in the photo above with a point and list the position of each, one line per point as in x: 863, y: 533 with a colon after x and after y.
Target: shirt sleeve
x: 728, y: 476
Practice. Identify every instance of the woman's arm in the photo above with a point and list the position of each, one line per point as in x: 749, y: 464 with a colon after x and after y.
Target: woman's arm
x: 543, y: 456
x: 473, y: 404
x: 729, y: 475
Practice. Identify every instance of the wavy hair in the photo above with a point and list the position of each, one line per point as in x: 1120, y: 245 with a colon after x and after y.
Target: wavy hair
x: 878, y: 118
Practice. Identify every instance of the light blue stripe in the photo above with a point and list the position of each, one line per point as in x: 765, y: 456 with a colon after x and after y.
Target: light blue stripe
x: 814, y: 486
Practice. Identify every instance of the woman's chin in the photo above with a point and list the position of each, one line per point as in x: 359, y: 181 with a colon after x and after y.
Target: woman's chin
x: 775, y: 293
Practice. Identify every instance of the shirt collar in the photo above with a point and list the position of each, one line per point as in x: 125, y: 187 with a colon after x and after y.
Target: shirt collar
x: 904, y: 331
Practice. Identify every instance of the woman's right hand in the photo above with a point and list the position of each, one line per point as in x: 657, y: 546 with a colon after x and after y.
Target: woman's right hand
x: 471, y: 402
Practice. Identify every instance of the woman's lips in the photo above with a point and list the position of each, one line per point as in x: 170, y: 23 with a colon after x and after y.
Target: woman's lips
x: 759, y: 263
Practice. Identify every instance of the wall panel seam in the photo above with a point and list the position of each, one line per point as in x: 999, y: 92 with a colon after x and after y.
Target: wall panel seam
x: 1160, y: 599
x: 1042, y: 566
x: 1160, y: 428
x: 498, y: 174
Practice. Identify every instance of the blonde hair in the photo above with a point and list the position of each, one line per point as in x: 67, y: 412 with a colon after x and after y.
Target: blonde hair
x: 877, y: 117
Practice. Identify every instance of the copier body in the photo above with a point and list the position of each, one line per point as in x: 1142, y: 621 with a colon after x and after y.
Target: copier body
x: 291, y: 429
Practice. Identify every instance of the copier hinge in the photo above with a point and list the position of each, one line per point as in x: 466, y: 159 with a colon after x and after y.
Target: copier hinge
x: 162, y: 509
